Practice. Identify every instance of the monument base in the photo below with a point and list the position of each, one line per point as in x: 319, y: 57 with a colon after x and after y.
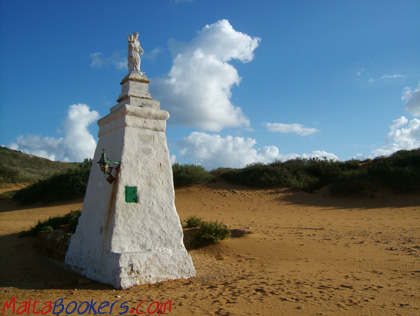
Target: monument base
x: 129, y: 232
x: 124, y: 270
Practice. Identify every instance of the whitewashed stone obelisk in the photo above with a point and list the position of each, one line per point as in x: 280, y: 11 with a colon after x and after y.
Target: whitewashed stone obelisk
x: 129, y: 232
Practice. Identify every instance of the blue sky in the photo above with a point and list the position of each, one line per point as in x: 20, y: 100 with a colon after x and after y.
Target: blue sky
x: 245, y: 81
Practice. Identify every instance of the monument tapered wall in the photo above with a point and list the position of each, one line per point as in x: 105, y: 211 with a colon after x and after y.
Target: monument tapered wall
x: 129, y: 232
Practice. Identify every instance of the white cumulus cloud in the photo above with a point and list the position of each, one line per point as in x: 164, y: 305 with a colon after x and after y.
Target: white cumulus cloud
x: 398, y: 122
x: 394, y: 76
x: 152, y: 54
x: 197, y: 90
x: 76, y: 145
x: 321, y: 154
x: 46, y: 147
x: 290, y: 128
x: 404, y: 134
x: 412, y: 99
x: 97, y: 60
x: 213, y: 151
x: 384, y: 77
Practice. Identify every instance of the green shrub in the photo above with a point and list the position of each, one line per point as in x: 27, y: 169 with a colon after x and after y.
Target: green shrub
x: 353, y: 182
x: 323, y: 171
x: 302, y: 174
x: 190, y: 174
x: 400, y: 172
x: 70, y: 219
x: 209, y: 232
x: 72, y: 183
x: 7, y: 174
x: 257, y: 175
x: 396, y: 176
x: 219, y: 171
x: 193, y: 221
x: 69, y: 185
x: 46, y: 228
x: 352, y: 164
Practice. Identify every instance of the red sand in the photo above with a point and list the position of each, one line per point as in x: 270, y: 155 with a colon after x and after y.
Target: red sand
x: 308, y: 254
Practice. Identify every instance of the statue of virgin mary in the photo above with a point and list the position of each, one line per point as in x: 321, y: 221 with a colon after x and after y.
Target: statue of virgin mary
x: 134, y: 49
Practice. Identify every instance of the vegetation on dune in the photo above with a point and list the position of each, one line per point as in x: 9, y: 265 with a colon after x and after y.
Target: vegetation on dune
x: 206, y: 233
x: 399, y: 172
x: 68, y: 222
x: 303, y: 174
x: 16, y: 167
x: 193, y: 221
x: 62, y: 186
x: 209, y: 232
x: 73, y: 182
x: 185, y: 175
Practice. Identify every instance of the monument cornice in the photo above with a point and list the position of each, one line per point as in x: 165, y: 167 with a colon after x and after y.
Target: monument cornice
x: 140, y: 112
x: 132, y: 78
x: 124, y: 97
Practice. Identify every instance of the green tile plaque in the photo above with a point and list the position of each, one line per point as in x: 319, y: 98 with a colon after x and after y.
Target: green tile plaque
x: 130, y: 194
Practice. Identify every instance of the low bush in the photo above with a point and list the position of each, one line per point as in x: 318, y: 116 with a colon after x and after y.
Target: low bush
x: 400, y: 172
x: 69, y: 185
x: 190, y: 174
x: 72, y: 183
x: 193, y: 221
x: 70, y: 220
x: 209, y: 232
x: 302, y: 174
x: 353, y: 182
x: 46, y: 228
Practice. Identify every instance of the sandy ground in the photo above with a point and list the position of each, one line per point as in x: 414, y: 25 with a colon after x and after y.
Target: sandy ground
x: 308, y: 254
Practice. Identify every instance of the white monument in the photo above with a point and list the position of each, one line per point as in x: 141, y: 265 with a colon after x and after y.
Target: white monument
x: 129, y: 232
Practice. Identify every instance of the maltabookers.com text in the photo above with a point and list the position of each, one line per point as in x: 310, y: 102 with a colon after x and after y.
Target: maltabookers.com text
x: 36, y: 307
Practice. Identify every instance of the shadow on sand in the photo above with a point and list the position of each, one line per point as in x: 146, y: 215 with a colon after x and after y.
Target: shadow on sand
x: 22, y: 266
x: 323, y: 199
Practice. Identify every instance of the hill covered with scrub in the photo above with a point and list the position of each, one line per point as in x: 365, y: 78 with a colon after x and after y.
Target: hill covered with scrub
x: 17, y: 167
x: 399, y: 172
x: 61, y: 181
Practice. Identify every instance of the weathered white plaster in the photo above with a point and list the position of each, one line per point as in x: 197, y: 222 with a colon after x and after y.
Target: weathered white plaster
x: 135, y: 91
x: 125, y: 244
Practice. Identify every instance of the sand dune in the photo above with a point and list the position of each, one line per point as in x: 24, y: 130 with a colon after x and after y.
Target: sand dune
x: 306, y: 254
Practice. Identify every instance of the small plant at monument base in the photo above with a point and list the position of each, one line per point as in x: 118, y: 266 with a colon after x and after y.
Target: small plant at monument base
x: 209, y: 232
x: 193, y: 221
x: 70, y: 220
x: 46, y: 228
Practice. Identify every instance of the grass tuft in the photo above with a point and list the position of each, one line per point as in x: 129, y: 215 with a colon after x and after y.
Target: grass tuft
x: 209, y: 232
x: 193, y: 221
